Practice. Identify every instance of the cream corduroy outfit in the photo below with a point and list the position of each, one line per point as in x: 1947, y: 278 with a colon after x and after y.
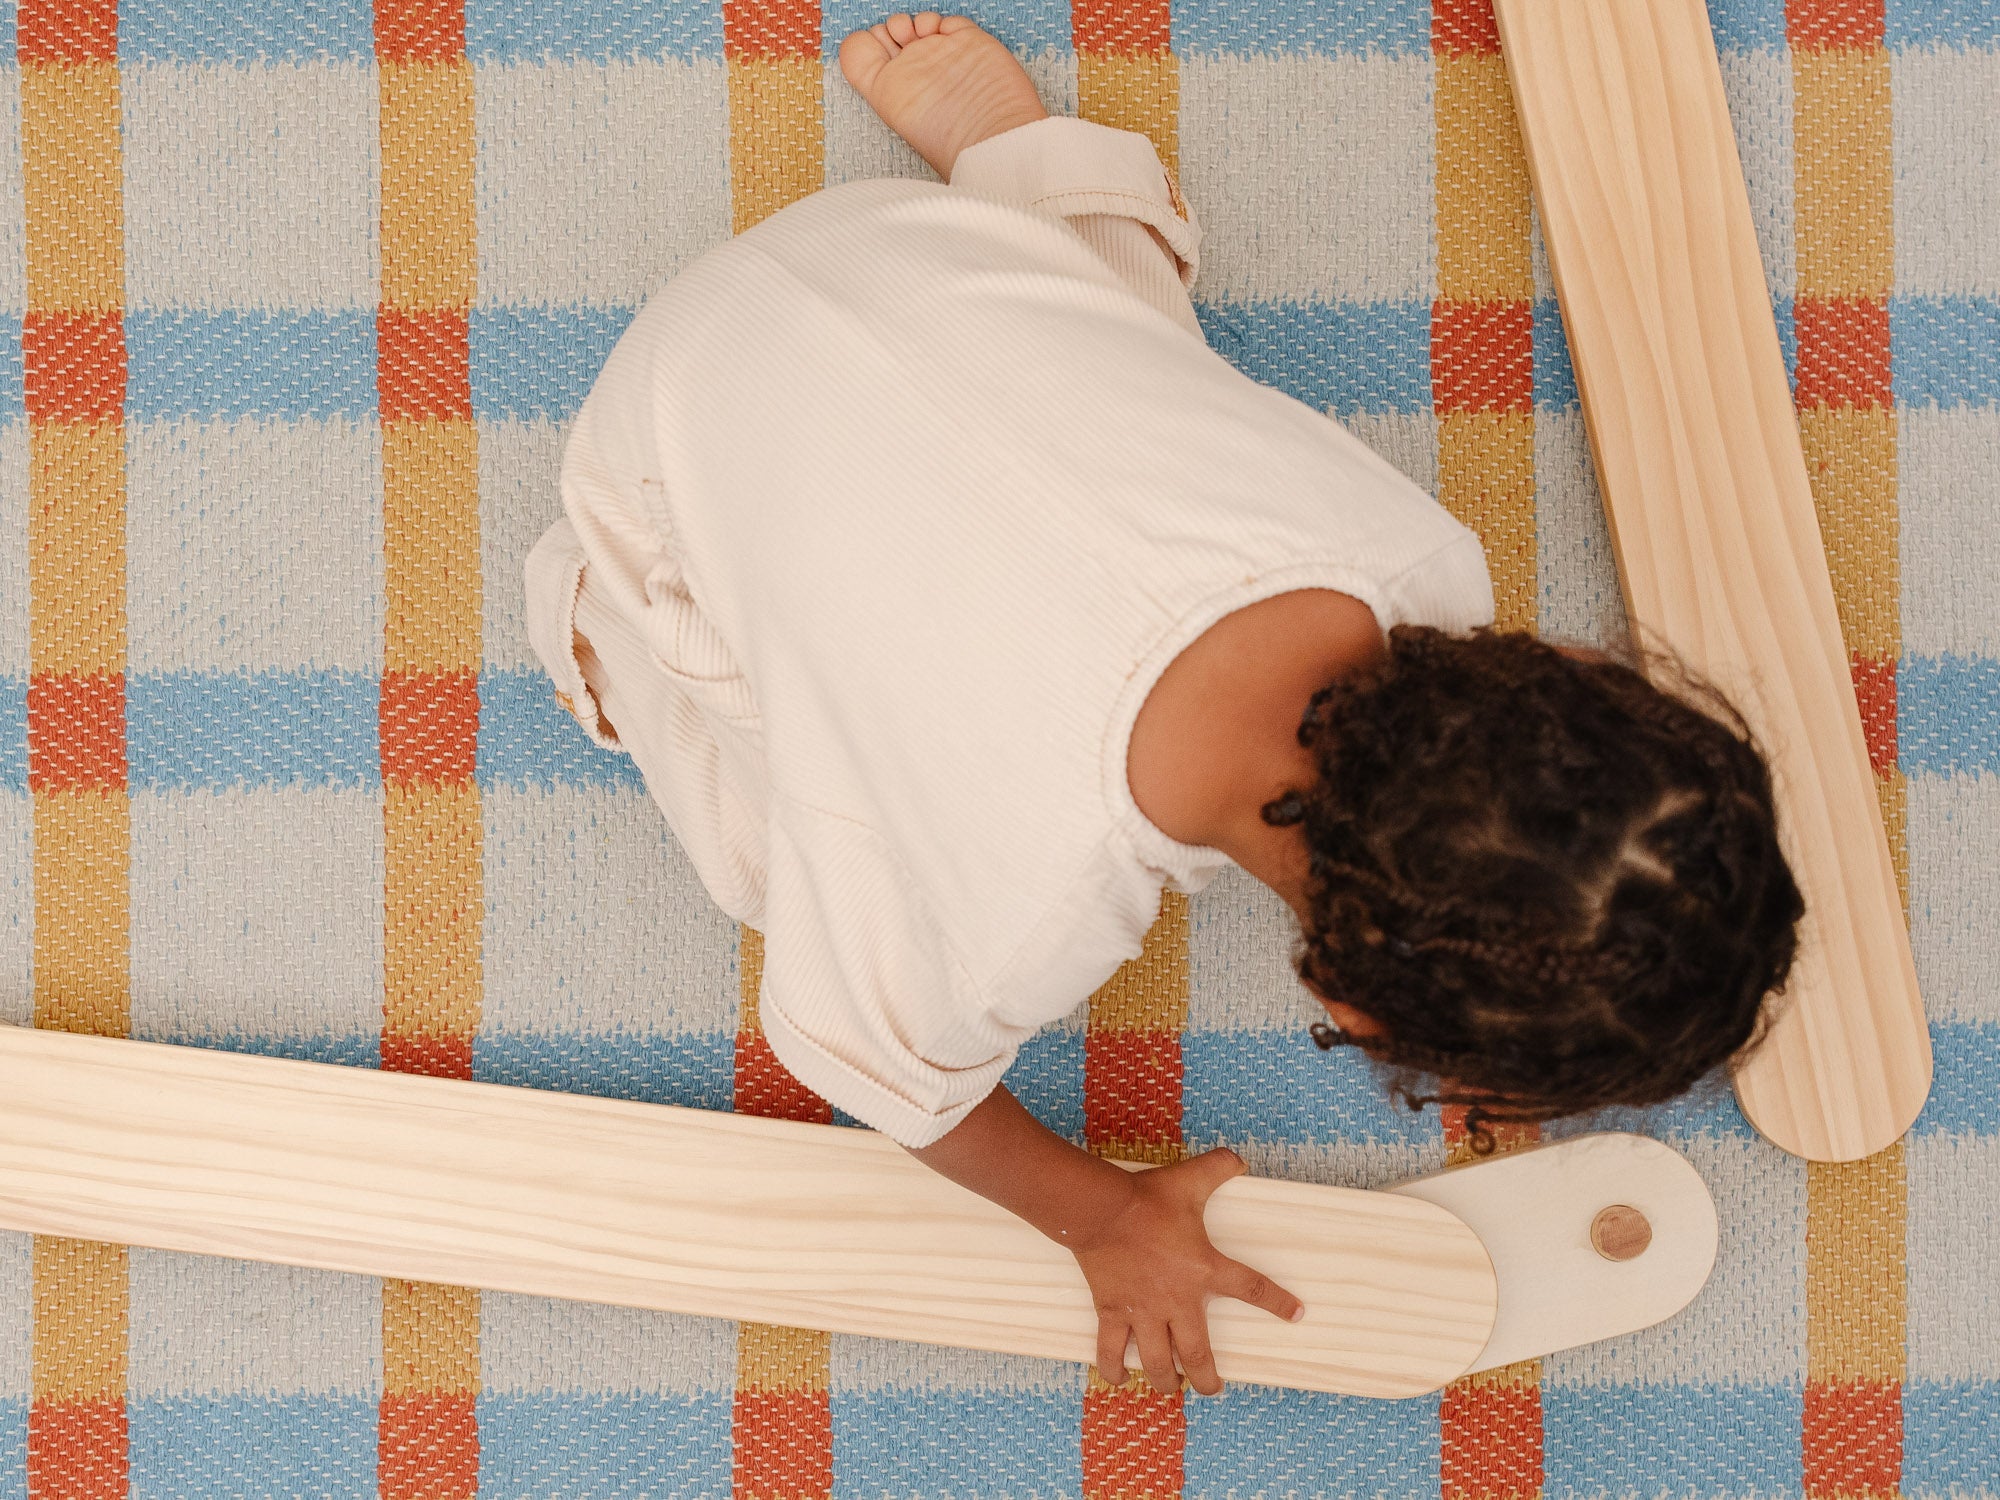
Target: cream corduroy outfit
x: 881, y: 521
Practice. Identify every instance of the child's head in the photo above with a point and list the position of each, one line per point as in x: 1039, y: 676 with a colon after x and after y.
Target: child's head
x: 1549, y: 883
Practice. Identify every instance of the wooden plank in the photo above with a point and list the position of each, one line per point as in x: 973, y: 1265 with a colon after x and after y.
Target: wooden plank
x: 731, y: 1216
x: 1533, y: 1211
x: 689, y: 1210
x: 1719, y: 551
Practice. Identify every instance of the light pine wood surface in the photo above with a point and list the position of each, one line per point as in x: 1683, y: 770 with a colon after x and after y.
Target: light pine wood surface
x: 1719, y: 550
x: 1533, y: 1211
x: 697, y: 1211
x: 808, y: 1225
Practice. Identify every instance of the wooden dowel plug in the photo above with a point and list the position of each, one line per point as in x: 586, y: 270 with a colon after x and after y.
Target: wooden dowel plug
x: 1620, y: 1232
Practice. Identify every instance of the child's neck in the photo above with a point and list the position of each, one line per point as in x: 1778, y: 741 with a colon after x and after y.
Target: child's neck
x: 1217, y: 737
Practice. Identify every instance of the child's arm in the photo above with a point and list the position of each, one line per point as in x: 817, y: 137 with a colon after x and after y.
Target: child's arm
x: 1138, y: 1236
x: 1008, y: 1157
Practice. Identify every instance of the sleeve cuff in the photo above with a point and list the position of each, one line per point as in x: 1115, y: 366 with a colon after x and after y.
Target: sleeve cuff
x: 904, y: 1121
x: 1451, y: 588
x: 1066, y: 166
x: 554, y: 578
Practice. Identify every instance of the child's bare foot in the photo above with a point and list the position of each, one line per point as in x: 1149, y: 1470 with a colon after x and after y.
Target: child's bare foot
x: 939, y: 82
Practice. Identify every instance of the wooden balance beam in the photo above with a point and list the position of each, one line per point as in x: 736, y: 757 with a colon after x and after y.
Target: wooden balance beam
x: 812, y: 1226
x: 1691, y: 423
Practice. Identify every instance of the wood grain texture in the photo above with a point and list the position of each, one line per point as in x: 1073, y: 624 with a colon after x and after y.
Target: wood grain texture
x: 697, y: 1211
x: 1719, y: 549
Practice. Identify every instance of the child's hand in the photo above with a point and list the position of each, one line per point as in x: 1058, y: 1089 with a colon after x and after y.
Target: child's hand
x: 1152, y: 1270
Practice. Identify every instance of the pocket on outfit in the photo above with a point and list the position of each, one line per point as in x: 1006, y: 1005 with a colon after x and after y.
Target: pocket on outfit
x: 688, y: 648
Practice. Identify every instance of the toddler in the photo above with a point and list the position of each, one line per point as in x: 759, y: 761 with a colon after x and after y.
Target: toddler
x: 954, y: 599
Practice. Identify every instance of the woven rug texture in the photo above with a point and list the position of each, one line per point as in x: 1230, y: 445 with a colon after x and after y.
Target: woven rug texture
x: 296, y: 299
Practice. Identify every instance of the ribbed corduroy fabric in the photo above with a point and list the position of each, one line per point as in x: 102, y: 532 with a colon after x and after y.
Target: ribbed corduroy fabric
x: 882, y: 519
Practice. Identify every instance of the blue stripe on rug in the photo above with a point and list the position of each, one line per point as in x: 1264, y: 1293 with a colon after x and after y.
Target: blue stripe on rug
x: 1249, y: 1086
x: 320, y: 728
x: 269, y: 31
x: 1941, y: 23
x: 1671, y: 1440
x: 1707, y: 1112
x: 498, y: 31
x: 1555, y: 373
x: 697, y: 1070
x: 1343, y: 357
x: 338, y: 1049
x: 1278, y: 1086
x: 13, y: 1432
x: 1027, y: 26
x: 1951, y: 1437
x: 1239, y: 1086
x: 577, y: 1447
x: 1945, y: 350
x: 955, y: 1442
x: 1965, y: 1059
x: 539, y: 361
x: 1229, y: 28
x: 13, y: 734
x: 249, y: 364
x: 590, y: 30
x: 1948, y: 715
x: 1047, y: 1077
x: 199, y: 1448
x: 605, y: 30
x: 1747, y: 25
x: 1262, y: 1440
x: 527, y: 739
x: 215, y: 730
x: 12, y: 402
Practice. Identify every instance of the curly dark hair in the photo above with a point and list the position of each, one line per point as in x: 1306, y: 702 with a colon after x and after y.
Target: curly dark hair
x: 1553, y: 882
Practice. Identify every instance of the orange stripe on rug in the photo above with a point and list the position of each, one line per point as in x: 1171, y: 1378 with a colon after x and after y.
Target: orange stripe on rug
x: 77, y: 1426
x: 427, y: 1438
x: 1482, y: 391
x: 1134, y: 1438
x: 1851, y: 1434
x: 433, y: 830
x: 1482, y: 323
x: 781, y: 1418
x: 74, y: 367
x: 1490, y: 1424
x: 1126, y: 73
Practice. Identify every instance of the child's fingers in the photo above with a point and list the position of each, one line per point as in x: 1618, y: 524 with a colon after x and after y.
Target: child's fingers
x: 1244, y: 1284
x: 1112, y: 1335
x: 1156, y: 1356
x: 1190, y: 1335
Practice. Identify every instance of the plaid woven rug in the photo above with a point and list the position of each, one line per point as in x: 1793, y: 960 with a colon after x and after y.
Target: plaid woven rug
x: 298, y: 297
